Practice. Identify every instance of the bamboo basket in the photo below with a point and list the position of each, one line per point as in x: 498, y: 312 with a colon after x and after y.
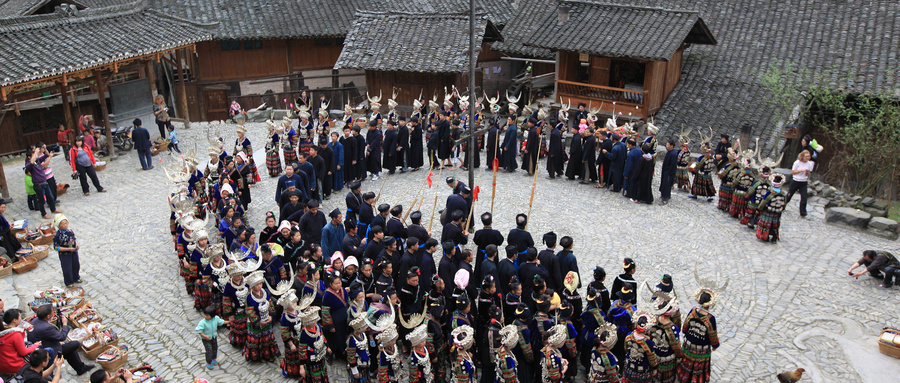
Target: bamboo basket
x: 73, y: 292
x: 61, y: 189
x: 116, y: 363
x: 25, y: 265
x: 37, y: 252
x: 44, y: 240
x: 77, y: 303
x: 95, y: 349
x: 889, y: 342
x: 6, y: 271
x: 46, y: 228
x: 78, y: 314
x: 100, y: 167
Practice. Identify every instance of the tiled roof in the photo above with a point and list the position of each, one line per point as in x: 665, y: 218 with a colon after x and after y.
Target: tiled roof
x: 619, y: 31
x: 527, y: 17
x: 497, y: 10
x: 853, y: 43
x: 268, y: 19
x: 411, y: 42
x: 41, y: 46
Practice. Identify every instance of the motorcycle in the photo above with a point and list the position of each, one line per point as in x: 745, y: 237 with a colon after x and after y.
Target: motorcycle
x: 121, y: 136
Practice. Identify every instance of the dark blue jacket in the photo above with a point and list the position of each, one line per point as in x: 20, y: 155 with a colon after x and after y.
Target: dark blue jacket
x: 47, y: 334
x: 634, y: 155
x: 670, y: 163
x: 617, y: 156
x: 509, y: 139
x: 141, y: 138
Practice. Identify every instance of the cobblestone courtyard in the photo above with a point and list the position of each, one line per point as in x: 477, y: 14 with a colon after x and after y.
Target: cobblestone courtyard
x: 787, y: 305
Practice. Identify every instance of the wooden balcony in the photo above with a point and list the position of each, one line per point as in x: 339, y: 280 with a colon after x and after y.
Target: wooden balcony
x: 597, y: 96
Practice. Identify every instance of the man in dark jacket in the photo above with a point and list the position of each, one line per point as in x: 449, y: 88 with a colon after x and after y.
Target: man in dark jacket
x: 588, y: 157
x: 485, y: 237
x: 667, y: 176
x: 631, y: 160
x: 310, y: 170
x: 555, y: 153
x: 403, y: 146
x: 492, y: 146
x: 353, y: 200
x: 52, y: 337
x: 366, y: 215
x: 141, y: 138
x: 424, y: 258
x: 550, y: 262
x: 576, y: 155
x: 507, y: 269
x: 391, y: 148
x: 310, y: 223
x: 518, y: 236
x: 508, y: 147
x: 360, y: 154
x: 604, y: 163
x: 878, y: 263
x: 415, y: 229
x: 532, y: 147
x: 414, y: 157
x: 327, y: 156
x: 489, y: 265
x: 453, y: 230
x: 616, y: 158
x: 351, y: 156
x: 321, y: 171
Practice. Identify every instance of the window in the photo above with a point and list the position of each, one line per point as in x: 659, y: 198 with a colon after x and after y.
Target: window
x: 322, y: 41
x: 235, y: 45
x: 226, y: 45
x: 257, y: 44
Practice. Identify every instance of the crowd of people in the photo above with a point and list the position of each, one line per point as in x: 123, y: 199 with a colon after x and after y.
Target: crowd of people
x: 370, y: 287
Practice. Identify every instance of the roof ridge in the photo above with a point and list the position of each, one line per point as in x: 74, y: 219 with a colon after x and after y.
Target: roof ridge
x: 478, y: 13
x: 181, y: 19
x: 647, y: 7
x: 21, y: 23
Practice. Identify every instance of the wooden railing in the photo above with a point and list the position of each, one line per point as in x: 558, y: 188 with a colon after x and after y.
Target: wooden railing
x: 601, y: 93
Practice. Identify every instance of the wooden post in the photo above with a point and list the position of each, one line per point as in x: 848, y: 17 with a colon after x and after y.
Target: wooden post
x: 104, y: 112
x: 4, y: 189
x: 182, y: 97
x: 67, y: 111
x: 151, y: 74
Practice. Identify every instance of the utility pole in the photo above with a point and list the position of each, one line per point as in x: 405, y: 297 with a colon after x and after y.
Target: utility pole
x: 473, y: 141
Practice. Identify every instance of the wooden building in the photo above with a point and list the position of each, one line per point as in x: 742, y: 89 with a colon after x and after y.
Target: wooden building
x: 54, y: 69
x: 414, y: 52
x: 264, y: 51
x: 606, y: 53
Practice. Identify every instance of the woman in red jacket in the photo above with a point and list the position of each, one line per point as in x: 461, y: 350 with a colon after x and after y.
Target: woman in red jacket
x: 12, y: 343
x: 81, y: 157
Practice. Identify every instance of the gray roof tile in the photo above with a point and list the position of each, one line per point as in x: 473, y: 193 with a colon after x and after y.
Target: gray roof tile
x: 627, y: 31
x: 410, y: 42
x: 45, y: 45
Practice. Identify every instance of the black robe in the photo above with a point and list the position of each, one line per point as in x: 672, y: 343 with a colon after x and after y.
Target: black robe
x: 403, y: 143
x: 445, y: 141
x: 493, y: 147
x: 390, y: 150
x: 576, y: 154
x: 605, y: 163
x: 350, y: 155
x: 482, y: 239
x: 532, y: 148
x: 373, y: 159
x: 360, y: 157
x: 555, y: 154
x: 414, y: 158
x: 640, y: 185
x: 508, y: 149
x: 353, y: 200
x: 589, y: 158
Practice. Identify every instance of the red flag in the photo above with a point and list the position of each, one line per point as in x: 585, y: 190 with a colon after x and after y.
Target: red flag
x: 496, y: 164
x: 428, y: 179
x: 475, y: 192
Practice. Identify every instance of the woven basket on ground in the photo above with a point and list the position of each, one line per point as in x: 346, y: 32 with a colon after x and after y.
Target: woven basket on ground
x: 116, y: 363
x: 889, y: 342
x: 24, y: 265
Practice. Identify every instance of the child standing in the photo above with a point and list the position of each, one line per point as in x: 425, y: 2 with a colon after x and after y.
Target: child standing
x: 173, y: 139
x: 208, y: 329
x: 67, y: 247
x: 29, y: 190
x: 62, y: 138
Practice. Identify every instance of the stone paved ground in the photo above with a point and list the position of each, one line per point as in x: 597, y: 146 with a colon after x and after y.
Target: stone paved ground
x: 786, y: 305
